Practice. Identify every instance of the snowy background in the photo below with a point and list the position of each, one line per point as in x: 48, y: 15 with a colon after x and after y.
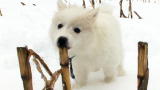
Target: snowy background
x: 27, y: 24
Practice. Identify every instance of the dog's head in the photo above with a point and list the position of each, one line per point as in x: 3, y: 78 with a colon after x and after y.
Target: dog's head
x: 72, y: 26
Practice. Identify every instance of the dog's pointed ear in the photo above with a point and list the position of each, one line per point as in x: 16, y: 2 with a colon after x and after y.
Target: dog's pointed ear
x: 61, y: 5
x: 92, y: 14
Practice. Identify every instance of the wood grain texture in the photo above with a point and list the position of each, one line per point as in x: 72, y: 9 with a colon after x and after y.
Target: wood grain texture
x: 143, y: 71
x: 63, y: 52
x: 25, y: 68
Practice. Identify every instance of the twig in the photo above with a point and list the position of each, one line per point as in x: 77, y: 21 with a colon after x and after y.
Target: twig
x: 92, y: 3
x: 39, y: 69
x: 25, y: 68
x: 24, y: 56
x: 54, y: 79
x: 121, y: 10
x: 41, y: 61
x: 84, y: 4
x: 34, y: 4
x: 49, y: 84
x: 130, y: 9
x: 23, y: 3
x: 1, y: 13
x: 138, y: 15
x: 143, y: 71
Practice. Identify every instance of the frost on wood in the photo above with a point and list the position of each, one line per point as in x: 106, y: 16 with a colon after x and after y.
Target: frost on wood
x: 143, y: 71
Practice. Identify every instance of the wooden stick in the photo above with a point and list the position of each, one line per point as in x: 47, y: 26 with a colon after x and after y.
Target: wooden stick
x: 143, y: 71
x: 23, y: 3
x: 139, y: 17
x: 121, y: 10
x: 25, y: 68
x: 65, y: 68
x: 41, y: 61
x: 38, y: 60
x: 92, y: 3
x: 84, y: 4
x: 54, y: 79
x: 1, y: 13
x: 130, y: 9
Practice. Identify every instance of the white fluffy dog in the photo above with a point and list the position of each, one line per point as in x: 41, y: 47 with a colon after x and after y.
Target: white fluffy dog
x: 93, y: 36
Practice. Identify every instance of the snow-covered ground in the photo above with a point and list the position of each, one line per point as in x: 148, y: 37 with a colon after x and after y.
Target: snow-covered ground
x: 28, y: 25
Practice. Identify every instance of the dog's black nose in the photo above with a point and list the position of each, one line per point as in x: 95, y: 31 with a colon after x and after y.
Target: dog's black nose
x: 62, y: 42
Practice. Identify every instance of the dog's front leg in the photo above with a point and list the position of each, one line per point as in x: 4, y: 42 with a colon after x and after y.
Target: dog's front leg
x: 109, y: 73
x: 81, y: 76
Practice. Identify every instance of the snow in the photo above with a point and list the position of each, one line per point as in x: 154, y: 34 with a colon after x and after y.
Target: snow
x: 29, y: 25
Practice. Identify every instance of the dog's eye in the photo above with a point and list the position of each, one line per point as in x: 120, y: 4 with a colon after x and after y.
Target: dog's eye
x: 60, y: 26
x: 77, y: 30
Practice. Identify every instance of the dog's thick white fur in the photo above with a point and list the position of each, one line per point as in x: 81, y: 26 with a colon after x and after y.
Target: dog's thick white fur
x: 97, y: 45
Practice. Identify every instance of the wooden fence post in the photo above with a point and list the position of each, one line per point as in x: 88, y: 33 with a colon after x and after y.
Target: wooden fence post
x: 143, y: 71
x: 25, y: 68
x: 63, y: 52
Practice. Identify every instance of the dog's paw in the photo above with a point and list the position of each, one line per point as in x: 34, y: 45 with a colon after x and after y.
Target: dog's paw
x: 79, y: 85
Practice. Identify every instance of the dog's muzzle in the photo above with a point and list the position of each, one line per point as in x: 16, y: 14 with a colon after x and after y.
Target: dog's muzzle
x: 62, y: 42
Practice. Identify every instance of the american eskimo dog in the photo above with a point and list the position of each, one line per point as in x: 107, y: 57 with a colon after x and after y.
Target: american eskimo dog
x: 93, y: 36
